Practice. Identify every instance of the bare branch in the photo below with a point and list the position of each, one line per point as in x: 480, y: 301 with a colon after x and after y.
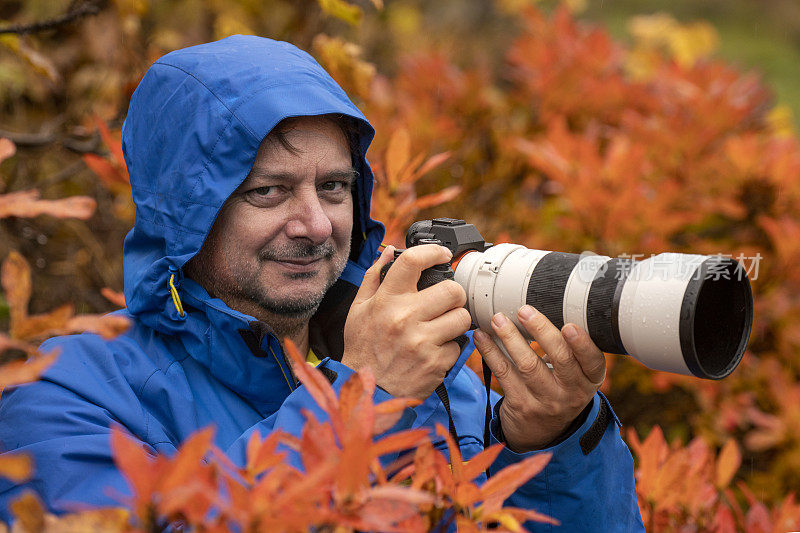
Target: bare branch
x: 78, y: 10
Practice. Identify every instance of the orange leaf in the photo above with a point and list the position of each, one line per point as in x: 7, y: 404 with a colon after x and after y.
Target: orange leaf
x: 397, y: 154
x: 135, y: 463
x: 478, y: 464
x: 44, y: 325
x: 7, y: 149
x: 432, y: 162
x: 113, y: 144
x: 28, y: 510
x: 389, y: 412
x: 15, y: 466
x: 110, y: 519
x: 189, y: 459
x: 318, y: 387
x: 7, y: 343
x: 19, y: 372
x: 27, y: 204
x: 107, y: 326
x: 437, y: 198
x: 728, y: 463
x: 105, y: 170
x: 455, y: 452
x: 402, y: 440
x: 116, y: 298
x: 15, y: 277
x: 262, y: 454
x: 501, y: 485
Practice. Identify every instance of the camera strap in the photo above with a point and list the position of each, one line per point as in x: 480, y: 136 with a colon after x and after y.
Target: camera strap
x: 441, y: 392
x: 487, y: 382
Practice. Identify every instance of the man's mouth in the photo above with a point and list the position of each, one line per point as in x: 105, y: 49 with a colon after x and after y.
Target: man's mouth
x: 300, y: 266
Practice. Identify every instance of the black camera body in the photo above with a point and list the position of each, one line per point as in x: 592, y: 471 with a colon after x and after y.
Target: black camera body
x: 456, y: 235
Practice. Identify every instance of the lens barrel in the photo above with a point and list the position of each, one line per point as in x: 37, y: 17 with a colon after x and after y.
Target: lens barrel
x: 682, y: 313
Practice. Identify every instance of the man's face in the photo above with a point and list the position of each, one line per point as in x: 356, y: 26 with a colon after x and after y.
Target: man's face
x: 283, y: 237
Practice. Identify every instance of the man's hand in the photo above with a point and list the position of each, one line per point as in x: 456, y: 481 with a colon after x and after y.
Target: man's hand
x: 403, y: 335
x: 540, y: 403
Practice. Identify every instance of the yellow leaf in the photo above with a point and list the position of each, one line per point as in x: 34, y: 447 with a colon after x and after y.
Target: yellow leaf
x: 342, y: 10
x: 780, y: 120
x: 728, y: 463
x: 343, y: 62
x: 508, y: 522
x: 692, y: 42
x: 111, y: 519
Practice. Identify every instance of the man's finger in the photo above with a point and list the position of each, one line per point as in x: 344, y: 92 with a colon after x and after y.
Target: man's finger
x: 502, y: 368
x: 529, y: 365
x: 565, y: 367
x: 589, y: 356
x: 404, y: 274
x: 372, y: 278
x: 448, y: 326
x: 440, y: 298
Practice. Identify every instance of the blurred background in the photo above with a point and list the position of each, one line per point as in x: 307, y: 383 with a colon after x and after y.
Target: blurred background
x: 620, y: 127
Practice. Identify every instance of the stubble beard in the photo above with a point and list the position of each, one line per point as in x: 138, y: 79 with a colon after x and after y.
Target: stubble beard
x: 294, y: 307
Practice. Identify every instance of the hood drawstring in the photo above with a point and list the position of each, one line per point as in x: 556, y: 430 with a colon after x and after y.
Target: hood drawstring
x: 175, y: 298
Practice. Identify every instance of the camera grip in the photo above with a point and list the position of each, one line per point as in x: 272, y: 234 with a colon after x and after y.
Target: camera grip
x: 428, y: 278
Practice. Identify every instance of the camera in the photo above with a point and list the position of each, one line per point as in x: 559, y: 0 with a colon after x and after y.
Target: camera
x: 682, y: 313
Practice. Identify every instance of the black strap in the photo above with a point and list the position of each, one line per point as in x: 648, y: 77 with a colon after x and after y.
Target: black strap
x: 487, y: 382
x: 441, y: 392
x: 594, y: 434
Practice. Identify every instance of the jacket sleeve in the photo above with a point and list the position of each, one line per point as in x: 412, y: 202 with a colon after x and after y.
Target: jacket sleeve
x: 588, y: 485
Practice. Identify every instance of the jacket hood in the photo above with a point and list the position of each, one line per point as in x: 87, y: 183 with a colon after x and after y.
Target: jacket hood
x: 190, y: 138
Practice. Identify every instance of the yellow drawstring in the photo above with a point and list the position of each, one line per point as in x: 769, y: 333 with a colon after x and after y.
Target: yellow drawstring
x: 175, y: 298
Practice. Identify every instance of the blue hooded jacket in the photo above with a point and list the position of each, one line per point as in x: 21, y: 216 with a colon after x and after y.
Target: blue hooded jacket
x: 191, y: 136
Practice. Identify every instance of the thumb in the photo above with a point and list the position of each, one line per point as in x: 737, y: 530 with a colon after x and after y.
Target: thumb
x: 372, y: 278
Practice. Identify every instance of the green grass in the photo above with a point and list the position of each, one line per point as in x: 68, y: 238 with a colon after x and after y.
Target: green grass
x: 763, y: 36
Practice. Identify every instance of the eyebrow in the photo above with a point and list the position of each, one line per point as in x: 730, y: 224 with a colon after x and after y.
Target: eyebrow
x: 349, y: 175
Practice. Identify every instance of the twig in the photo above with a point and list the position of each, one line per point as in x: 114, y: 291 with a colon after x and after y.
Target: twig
x: 78, y: 10
x: 48, y: 136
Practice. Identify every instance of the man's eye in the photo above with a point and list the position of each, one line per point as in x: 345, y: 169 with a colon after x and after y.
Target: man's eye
x: 334, y: 186
x: 268, y: 190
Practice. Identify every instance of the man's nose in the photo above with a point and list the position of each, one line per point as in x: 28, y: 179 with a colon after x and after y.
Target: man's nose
x: 309, y: 219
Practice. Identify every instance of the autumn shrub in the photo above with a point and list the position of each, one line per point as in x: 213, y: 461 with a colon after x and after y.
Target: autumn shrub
x: 564, y: 139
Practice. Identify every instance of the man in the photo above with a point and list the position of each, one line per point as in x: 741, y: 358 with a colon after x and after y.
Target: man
x: 248, y: 170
